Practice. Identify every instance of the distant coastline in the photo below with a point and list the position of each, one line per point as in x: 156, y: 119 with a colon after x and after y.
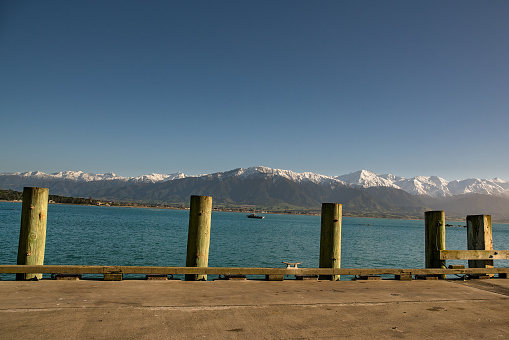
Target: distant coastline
x: 240, y: 210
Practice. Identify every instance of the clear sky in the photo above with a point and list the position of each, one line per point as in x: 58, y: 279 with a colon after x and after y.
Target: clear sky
x: 136, y: 87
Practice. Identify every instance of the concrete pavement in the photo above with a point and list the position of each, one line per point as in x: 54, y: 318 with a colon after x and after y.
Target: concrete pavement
x: 289, y: 309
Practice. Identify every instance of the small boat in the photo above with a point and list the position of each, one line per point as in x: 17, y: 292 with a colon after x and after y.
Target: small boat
x: 253, y: 215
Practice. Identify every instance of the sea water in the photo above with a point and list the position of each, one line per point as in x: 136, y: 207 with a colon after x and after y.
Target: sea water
x: 90, y: 235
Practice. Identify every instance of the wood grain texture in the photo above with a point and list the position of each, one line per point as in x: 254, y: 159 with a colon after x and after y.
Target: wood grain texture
x: 32, y: 235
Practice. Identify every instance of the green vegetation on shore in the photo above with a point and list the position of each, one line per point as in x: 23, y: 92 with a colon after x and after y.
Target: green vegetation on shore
x: 11, y: 195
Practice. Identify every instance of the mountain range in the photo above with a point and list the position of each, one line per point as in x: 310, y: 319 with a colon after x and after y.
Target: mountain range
x: 361, y: 193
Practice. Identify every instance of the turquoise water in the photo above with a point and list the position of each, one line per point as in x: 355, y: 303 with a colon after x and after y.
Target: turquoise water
x: 83, y: 235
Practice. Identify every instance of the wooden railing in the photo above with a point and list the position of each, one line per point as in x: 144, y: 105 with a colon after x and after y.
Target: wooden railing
x: 474, y: 254
x: 276, y: 272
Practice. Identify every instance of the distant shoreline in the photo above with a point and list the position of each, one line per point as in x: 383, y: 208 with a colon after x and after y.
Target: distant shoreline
x: 455, y: 220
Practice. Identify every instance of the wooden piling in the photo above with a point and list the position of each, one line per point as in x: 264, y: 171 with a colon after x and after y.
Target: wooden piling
x: 434, y: 224
x: 198, y: 239
x: 330, y: 239
x: 479, y: 237
x: 32, y: 235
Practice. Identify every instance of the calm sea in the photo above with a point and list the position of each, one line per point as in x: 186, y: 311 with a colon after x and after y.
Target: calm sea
x: 89, y: 235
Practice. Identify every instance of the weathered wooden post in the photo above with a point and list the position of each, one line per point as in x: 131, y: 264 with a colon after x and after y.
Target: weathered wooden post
x: 198, y: 238
x: 32, y: 235
x: 330, y: 239
x: 434, y: 224
x: 479, y: 237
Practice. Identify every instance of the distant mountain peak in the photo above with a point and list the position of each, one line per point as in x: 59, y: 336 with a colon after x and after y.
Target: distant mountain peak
x: 80, y: 176
x: 287, y: 174
x: 366, y: 179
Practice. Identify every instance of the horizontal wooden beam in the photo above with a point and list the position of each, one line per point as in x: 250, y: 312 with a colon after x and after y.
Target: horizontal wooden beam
x: 63, y: 269
x: 474, y: 254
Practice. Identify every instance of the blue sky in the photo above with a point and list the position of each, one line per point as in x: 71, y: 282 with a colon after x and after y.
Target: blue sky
x: 134, y: 87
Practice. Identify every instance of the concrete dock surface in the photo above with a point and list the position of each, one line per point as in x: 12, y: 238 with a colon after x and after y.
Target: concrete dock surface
x: 290, y: 309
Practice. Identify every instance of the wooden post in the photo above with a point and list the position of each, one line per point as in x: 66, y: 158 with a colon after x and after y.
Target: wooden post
x: 330, y: 239
x: 479, y: 237
x: 32, y: 235
x: 434, y: 224
x: 198, y: 238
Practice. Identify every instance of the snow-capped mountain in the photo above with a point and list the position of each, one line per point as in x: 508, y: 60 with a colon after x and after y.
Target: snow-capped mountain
x: 428, y: 185
x: 72, y: 175
x: 494, y: 186
x: 260, y: 171
x: 421, y: 185
x: 80, y: 176
x: 367, y: 179
x: 154, y: 178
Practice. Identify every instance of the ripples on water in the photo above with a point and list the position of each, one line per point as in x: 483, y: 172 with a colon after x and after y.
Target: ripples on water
x: 81, y: 235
